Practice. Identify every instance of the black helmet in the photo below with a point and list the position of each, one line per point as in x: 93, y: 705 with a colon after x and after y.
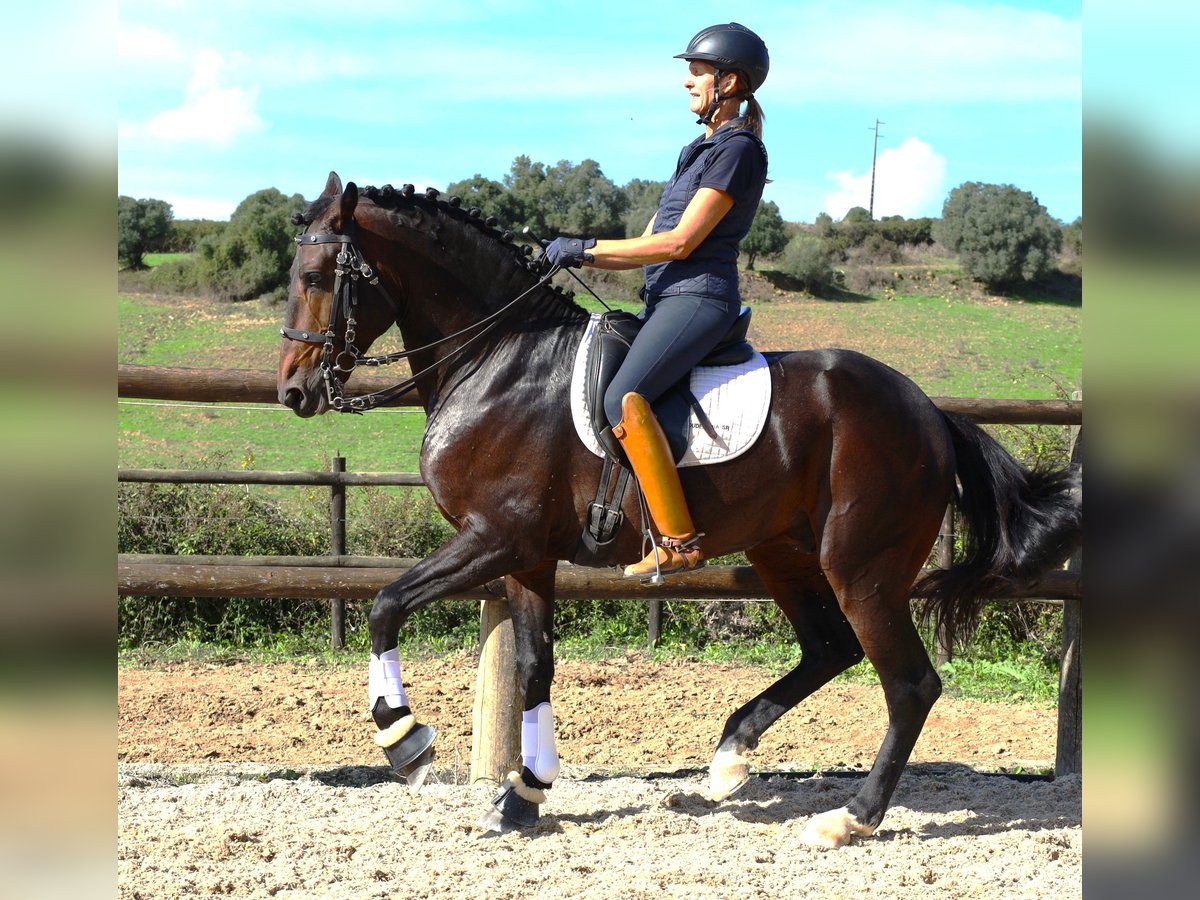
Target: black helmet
x: 731, y: 47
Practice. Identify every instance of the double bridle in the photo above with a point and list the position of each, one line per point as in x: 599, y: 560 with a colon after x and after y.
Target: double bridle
x: 336, y: 366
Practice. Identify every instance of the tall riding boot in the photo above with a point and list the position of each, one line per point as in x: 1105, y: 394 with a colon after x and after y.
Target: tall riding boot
x: 646, y: 446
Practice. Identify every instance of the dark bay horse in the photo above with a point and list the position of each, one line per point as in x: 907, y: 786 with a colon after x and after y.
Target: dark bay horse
x: 837, y: 505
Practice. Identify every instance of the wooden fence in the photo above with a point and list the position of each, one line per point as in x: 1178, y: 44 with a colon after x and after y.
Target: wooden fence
x: 339, y: 577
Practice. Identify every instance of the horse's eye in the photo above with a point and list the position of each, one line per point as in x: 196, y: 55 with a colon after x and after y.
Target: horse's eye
x: 313, y: 278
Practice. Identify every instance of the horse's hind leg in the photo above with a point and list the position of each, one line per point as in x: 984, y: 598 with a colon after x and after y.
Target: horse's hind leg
x: 827, y: 643
x: 874, y: 595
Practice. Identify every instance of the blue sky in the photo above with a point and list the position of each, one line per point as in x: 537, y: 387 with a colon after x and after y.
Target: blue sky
x: 219, y: 99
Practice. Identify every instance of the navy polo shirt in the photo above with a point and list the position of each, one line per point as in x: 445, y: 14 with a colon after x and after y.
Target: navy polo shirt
x: 733, y: 160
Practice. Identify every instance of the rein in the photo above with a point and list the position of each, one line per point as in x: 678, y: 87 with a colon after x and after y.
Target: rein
x: 351, y: 268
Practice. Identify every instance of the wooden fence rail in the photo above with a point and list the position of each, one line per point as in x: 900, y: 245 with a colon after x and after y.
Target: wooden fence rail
x: 360, y: 578
x: 196, y: 385
x: 340, y: 577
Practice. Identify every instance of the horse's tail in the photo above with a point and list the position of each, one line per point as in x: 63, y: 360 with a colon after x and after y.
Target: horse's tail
x: 1019, y: 524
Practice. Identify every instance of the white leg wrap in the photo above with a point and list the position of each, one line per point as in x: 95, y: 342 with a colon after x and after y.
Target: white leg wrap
x: 383, y: 679
x: 538, y: 753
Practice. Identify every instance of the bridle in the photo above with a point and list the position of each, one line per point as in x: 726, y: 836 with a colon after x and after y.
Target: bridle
x: 336, y: 366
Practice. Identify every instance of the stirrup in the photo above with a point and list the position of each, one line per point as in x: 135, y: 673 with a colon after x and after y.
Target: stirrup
x: 681, y: 556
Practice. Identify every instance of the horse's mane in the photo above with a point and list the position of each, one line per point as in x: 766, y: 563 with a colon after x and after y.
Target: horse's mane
x: 481, y: 230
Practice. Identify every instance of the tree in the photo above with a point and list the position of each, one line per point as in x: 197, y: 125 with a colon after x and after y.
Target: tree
x: 641, y: 203
x: 493, y: 198
x: 767, y: 234
x: 1002, y: 235
x: 142, y: 226
x: 252, y: 255
x: 1073, y: 237
x: 567, y: 199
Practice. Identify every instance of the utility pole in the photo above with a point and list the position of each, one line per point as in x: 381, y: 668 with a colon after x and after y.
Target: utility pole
x: 874, y: 156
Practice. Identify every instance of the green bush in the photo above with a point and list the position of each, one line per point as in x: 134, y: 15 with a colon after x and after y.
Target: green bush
x: 211, y: 520
x: 809, y: 260
x: 252, y: 256
x: 1002, y: 235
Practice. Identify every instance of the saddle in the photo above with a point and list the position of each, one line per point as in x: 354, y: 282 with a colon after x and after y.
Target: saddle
x: 614, y: 334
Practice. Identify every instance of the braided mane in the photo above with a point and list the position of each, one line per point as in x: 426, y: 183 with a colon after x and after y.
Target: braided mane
x: 498, y: 241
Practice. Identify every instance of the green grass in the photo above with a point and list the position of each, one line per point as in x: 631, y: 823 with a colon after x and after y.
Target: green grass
x: 157, y: 259
x: 949, y: 347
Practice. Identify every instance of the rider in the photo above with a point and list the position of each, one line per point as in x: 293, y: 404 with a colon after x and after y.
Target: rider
x: 689, y: 254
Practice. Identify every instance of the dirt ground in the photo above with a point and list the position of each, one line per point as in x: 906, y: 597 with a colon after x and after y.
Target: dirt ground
x: 256, y: 780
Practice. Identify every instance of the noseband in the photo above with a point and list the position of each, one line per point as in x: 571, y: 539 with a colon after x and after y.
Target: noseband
x: 351, y: 268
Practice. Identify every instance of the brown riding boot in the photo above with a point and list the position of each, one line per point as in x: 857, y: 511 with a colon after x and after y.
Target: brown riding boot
x: 646, y: 446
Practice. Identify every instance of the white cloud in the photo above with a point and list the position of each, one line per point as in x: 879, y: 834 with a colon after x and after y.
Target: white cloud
x: 909, y: 181
x: 216, y: 208
x: 210, y: 113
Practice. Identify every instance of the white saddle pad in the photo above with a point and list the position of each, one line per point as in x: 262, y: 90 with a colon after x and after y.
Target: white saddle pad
x: 735, y: 399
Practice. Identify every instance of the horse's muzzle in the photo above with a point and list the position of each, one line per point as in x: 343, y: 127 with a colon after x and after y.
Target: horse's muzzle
x: 301, y: 399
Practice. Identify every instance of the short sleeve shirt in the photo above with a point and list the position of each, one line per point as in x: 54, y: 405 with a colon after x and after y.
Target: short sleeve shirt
x: 733, y: 160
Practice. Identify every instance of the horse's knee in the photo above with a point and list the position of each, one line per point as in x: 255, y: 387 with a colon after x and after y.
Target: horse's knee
x: 387, y: 611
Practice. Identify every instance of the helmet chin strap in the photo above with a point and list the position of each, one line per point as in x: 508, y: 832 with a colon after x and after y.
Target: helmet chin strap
x: 707, y: 117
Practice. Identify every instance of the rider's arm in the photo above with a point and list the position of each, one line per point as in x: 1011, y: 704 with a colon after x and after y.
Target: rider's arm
x: 705, y: 210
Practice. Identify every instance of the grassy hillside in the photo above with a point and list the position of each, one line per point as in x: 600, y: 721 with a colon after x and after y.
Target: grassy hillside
x: 950, y: 343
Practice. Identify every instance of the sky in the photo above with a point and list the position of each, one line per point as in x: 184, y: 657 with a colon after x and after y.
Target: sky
x: 217, y: 100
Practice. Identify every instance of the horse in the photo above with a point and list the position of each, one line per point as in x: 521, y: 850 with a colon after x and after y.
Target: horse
x: 836, y: 505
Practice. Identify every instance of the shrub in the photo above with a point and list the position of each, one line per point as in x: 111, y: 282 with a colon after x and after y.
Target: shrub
x: 810, y: 260
x: 1002, y: 235
x: 251, y: 257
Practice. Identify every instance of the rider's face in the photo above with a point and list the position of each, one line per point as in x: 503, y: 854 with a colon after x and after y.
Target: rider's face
x: 700, y: 85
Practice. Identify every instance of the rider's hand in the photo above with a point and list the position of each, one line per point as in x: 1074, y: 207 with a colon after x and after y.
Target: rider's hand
x: 567, y: 252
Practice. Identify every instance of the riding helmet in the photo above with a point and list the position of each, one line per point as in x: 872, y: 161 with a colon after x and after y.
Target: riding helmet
x: 731, y: 47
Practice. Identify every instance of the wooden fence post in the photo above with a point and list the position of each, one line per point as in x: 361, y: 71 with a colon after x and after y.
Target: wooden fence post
x: 337, y: 547
x: 653, y: 623
x: 945, y: 650
x: 496, y: 720
x: 1069, y: 759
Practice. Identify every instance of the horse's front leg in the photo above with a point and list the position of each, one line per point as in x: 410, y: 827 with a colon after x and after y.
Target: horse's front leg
x: 531, y: 598
x: 469, y: 559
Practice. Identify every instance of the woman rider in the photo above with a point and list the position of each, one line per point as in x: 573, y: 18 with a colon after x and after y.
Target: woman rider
x: 689, y: 254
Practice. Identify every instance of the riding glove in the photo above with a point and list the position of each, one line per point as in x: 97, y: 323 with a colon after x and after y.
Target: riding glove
x: 566, y: 251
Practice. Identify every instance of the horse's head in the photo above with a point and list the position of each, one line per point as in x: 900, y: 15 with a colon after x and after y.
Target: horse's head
x: 329, y: 319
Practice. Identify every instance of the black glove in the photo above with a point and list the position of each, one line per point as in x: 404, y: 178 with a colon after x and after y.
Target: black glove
x: 566, y: 251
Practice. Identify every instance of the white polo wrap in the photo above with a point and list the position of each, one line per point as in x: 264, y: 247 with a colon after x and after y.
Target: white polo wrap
x: 538, y: 753
x: 383, y: 679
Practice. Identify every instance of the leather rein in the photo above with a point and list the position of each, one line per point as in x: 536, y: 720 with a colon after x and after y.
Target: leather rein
x: 336, y: 366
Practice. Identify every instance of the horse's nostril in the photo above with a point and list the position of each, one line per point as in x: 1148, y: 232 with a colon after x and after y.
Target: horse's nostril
x: 293, y: 399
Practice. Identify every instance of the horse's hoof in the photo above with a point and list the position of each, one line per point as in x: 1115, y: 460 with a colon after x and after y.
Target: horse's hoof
x: 412, y: 754
x: 514, y: 806
x: 727, y: 773
x: 833, y: 829
x: 417, y: 770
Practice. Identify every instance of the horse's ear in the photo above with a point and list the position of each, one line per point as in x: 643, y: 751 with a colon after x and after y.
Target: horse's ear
x: 346, y: 205
x: 333, y: 186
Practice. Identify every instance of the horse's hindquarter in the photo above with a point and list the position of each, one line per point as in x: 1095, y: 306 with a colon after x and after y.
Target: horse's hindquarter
x: 844, y: 429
